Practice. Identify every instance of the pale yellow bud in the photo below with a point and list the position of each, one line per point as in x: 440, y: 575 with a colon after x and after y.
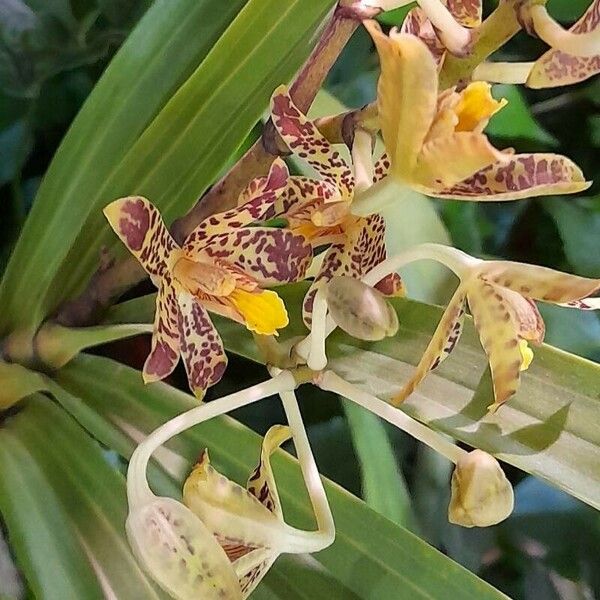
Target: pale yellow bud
x: 481, y: 493
x: 360, y: 310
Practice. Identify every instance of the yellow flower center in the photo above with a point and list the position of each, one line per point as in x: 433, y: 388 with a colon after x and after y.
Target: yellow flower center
x: 526, y: 355
x: 476, y: 104
x: 263, y: 312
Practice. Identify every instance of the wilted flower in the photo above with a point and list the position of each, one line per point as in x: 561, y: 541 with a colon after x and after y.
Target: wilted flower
x: 222, y: 266
x: 321, y: 209
x: 224, y: 541
x: 501, y: 295
x: 436, y: 143
x: 360, y: 310
x: 481, y: 493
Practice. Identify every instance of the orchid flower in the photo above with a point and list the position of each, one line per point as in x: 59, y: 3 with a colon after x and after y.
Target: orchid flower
x: 500, y: 295
x: 321, y: 209
x: 223, y: 539
x: 222, y: 267
x: 436, y: 143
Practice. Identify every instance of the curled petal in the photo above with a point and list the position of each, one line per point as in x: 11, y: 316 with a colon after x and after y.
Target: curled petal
x: 542, y: 283
x: 444, y: 340
x: 268, y: 255
x: 234, y: 516
x: 201, y: 346
x: 257, y: 203
x: 165, y: 350
x: 261, y: 482
x: 406, y: 96
x: 499, y: 331
x: 556, y: 68
x: 446, y: 161
x: 521, y: 176
x: 466, y: 12
x: 416, y: 23
x: 362, y: 248
x: 139, y: 225
x: 180, y: 552
x: 306, y: 141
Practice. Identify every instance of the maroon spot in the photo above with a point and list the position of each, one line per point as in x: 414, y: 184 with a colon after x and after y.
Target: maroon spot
x: 135, y: 227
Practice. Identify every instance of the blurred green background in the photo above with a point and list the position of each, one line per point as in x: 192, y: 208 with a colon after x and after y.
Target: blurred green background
x: 51, y: 54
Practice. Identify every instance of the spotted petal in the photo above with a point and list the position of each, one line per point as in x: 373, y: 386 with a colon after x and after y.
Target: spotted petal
x: 306, y: 141
x: 556, y: 68
x: 446, y: 161
x: 362, y: 249
x: 522, y: 176
x: 270, y: 256
x: 444, y: 340
x: 261, y: 482
x: 139, y: 225
x: 406, y: 96
x: 165, y: 350
x: 542, y: 283
x: 466, y: 12
x: 501, y: 325
x: 201, y: 346
x: 381, y: 167
x: 418, y: 24
x: 257, y: 204
x: 180, y: 553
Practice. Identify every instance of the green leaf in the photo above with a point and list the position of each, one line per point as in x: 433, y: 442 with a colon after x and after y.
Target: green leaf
x: 579, y: 230
x: 176, y: 158
x: 383, y: 485
x: 516, y: 120
x: 161, y: 53
x: 371, y: 556
x: 548, y: 429
x: 17, y: 382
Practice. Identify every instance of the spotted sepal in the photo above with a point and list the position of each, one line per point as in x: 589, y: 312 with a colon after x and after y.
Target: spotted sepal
x: 306, y: 141
x: 442, y: 343
x: 180, y: 553
x: 268, y: 255
x: 261, y: 482
x: 201, y: 346
x: 547, y: 285
x: 258, y: 204
x: 166, y: 346
x: 556, y: 68
x: 522, y: 176
x: 139, y: 225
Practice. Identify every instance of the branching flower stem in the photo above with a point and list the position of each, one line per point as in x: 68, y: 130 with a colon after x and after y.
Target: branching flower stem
x: 503, y: 72
x: 332, y: 382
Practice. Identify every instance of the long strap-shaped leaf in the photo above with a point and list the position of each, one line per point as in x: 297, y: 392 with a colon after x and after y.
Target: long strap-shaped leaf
x: 118, y: 147
x: 371, y: 555
x: 548, y: 429
x: 59, y: 456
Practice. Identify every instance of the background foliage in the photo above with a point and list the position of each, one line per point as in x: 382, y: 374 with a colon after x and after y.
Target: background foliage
x: 51, y: 55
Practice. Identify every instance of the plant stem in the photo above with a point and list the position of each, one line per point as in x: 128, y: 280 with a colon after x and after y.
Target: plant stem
x: 334, y: 383
x: 138, y: 490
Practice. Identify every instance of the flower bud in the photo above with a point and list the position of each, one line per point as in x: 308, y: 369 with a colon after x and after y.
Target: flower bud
x: 360, y: 310
x: 481, y: 493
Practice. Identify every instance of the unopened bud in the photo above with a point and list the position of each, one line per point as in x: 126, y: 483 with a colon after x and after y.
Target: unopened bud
x: 360, y: 310
x: 481, y: 493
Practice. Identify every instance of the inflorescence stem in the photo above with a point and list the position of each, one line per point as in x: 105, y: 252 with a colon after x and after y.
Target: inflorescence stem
x: 334, y: 383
